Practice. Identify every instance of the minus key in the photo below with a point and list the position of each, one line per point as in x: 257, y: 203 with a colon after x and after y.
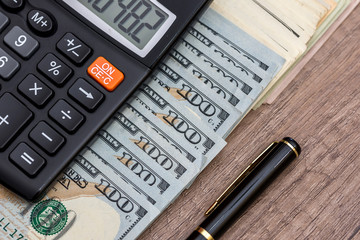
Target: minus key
x: 47, y: 138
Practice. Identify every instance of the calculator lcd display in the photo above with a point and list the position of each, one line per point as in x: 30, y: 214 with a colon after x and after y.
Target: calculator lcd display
x: 137, y: 24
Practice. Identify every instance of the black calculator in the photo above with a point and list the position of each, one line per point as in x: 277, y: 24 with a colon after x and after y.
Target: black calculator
x: 65, y: 67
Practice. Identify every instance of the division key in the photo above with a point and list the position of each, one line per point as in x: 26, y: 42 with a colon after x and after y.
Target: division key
x: 13, y: 116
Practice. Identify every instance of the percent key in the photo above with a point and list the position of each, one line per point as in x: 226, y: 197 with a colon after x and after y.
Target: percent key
x: 54, y: 69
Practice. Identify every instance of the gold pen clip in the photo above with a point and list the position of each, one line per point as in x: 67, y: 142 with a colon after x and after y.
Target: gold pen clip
x: 240, y: 178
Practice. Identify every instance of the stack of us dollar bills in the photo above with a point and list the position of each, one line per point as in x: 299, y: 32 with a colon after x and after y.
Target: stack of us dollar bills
x: 175, y: 124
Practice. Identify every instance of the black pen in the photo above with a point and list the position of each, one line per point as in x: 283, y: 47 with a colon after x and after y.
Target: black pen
x: 229, y: 205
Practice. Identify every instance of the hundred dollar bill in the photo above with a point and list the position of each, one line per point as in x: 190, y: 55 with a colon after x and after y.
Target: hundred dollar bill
x: 225, y: 59
x: 221, y: 59
x: 119, y: 166
x: 162, y: 150
x: 224, y: 48
x: 130, y: 166
x: 171, y: 119
x: 185, y: 48
x: 203, y: 59
x: 238, y: 44
x: 217, y: 113
x: 124, y: 159
x: 182, y: 147
x: 215, y: 80
x: 84, y: 204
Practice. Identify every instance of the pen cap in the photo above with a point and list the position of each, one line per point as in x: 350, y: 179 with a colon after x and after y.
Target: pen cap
x: 282, y: 153
x: 292, y: 143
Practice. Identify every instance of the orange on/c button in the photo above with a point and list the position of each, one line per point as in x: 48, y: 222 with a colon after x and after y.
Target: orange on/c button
x: 105, y: 73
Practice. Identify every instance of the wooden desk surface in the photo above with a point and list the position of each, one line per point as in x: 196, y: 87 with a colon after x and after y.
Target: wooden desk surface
x: 318, y: 195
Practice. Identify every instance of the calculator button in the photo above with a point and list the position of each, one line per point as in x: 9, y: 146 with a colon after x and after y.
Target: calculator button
x: 8, y: 65
x: 4, y: 21
x: 54, y: 69
x: 40, y: 22
x: 27, y: 159
x: 84, y: 93
x: 47, y: 138
x: 13, y: 4
x: 105, y: 73
x: 73, y: 48
x: 21, y: 42
x: 35, y: 90
x: 66, y: 116
x: 13, y: 117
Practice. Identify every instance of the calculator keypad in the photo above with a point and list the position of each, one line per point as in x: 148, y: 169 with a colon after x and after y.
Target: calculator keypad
x: 66, y: 116
x: 55, y: 69
x: 50, y: 105
x: 35, y: 90
x: 21, y: 42
x: 73, y: 48
x: 27, y: 159
x: 8, y: 65
x: 47, y: 138
x: 13, y: 117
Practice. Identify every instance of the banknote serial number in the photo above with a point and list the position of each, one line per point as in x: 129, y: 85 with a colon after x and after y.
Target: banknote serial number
x: 7, y: 228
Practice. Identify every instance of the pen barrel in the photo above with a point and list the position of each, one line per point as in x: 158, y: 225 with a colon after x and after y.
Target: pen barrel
x: 231, y: 208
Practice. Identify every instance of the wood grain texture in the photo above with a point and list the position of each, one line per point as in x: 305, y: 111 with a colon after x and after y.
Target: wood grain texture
x: 318, y: 195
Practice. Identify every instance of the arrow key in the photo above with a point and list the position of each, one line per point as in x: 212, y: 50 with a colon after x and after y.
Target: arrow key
x: 86, y: 95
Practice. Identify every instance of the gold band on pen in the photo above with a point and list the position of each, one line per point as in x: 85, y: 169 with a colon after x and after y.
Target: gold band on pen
x: 291, y: 146
x: 240, y: 178
x: 205, y: 233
